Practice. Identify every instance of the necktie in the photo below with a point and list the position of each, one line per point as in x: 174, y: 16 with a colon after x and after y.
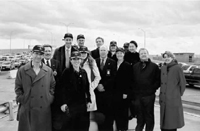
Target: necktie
x: 48, y: 63
x: 67, y: 58
x: 102, y: 64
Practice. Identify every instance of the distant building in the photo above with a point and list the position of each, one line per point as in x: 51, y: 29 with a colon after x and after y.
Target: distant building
x: 184, y: 57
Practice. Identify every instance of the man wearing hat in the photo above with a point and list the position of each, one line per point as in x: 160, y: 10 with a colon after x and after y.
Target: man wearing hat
x: 76, y: 95
x: 80, y: 40
x: 126, y: 46
x: 112, y: 51
x: 34, y: 87
x: 63, y: 53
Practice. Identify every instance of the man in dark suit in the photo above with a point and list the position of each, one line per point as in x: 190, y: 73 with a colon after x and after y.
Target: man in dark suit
x: 63, y: 53
x: 95, y: 52
x: 53, y: 64
x: 104, y: 91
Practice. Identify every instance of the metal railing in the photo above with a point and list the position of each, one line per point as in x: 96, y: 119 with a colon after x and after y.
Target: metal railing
x: 7, y: 109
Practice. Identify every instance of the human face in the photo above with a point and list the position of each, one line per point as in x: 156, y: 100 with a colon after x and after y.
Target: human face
x: 113, y: 48
x: 47, y: 53
x: 103, y: 52
x: 120, y: 55
x: 99, y: 42
x: 76, y: 62
x: 144, y: 55
x: 68, y: 42
x: 132, y: 47
x: 37, y: 57
x: 81, y: 42
x: 84, y: 55
x: 167, y: 59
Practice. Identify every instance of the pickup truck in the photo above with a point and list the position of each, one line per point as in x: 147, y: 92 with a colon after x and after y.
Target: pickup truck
x: 193, y: 78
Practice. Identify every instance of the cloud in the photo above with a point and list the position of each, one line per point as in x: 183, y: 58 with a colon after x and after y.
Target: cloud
x: 164, y: 22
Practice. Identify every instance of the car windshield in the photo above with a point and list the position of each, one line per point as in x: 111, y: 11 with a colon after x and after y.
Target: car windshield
x: 196, y: 70
x: 185, y: 67
x: 6, y: 63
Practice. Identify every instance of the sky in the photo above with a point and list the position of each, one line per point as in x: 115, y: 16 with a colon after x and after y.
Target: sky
x: 157, y: 25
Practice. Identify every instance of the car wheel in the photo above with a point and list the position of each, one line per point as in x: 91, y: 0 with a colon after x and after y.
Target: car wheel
x: 191, y: 85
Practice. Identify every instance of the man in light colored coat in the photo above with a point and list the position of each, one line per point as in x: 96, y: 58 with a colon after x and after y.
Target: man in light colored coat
x: 34, y: 87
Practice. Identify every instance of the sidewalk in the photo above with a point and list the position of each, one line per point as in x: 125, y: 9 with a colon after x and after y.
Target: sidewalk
x: 192, y: 123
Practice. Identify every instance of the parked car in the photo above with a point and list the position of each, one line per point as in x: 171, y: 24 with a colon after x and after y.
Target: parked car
x: 182, y: 64
x: 8, y: 65
x: 193, y: 78
x: 0, y: 66
x: 188, y: 68
x: 17, y: 62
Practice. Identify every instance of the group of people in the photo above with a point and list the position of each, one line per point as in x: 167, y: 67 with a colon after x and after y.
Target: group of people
x: 77, y: 87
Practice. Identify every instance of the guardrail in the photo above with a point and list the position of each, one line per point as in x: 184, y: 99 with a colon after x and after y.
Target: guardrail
x: 7, y: 109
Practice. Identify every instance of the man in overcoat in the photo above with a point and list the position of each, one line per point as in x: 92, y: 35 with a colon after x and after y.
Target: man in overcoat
x: 34, y: 87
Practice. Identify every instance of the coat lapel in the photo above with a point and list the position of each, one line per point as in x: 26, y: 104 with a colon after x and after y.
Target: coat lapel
x: 63, y: 56
x: 41, y: 74
x: 29, y: 71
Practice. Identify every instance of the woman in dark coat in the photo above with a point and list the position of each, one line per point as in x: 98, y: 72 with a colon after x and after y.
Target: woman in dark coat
x: 121, y: 91
x: 76, y: 95
x: 132, y: 56
x: 172, y: 88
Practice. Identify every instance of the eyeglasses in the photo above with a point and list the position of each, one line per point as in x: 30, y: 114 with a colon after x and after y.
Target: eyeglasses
x: 83, y: 52
x: 75, y: 58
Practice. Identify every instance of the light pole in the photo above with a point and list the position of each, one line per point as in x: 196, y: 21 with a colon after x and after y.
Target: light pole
x: 67, y: 25
x: 144, y: 36
x: 11, y: 39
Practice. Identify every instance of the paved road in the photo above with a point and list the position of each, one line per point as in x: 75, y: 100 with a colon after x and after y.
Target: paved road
x: 192, y: 123
x: 7, y: 93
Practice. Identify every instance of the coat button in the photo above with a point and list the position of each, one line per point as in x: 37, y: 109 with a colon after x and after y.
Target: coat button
x: 160, y: 92
x: 161, y: 101
x: 41, y: 96
x: 40, y: 106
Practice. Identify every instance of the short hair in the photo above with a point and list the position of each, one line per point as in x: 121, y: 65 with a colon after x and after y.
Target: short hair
x: 169, y: 54
x: 133, y: 42
x: 100, y: 38
x: 103, y: 46
x: 141, y: 49
x: 46, y: 45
